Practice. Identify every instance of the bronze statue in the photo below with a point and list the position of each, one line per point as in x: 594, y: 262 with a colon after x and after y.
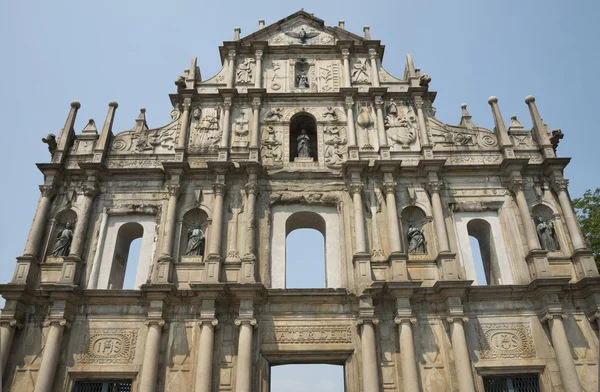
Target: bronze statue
x: 303, y: 145
x: 546, y: 235
x: 416, y: 239
x: 195, y: 245
x: 63, y: 242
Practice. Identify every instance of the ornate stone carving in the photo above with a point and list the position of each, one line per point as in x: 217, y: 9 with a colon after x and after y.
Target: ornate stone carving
x: 416, y: 239
x: 220, y: 189
x: 245, y: 71
x: 241, y: 131
x: 141, y: 140
x: 271, y: 150
x: 318, y: 334
x: 63, y: 242
x: 424, y: 80
x: 546, y: 234
x: 302, y: 35
x: 360, y: 71
x: 365, y: 124
x: 304, y: 198
x: 335, y: 146
x: 205, y: 132
x: 400, y: 130
x: 110, y: 347
x: 274, y: 114
x: 50, y: 140
x: 504, y: 341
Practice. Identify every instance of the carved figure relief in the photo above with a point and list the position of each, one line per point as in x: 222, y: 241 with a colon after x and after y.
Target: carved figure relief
x: 416, y: 239
x: 205, y: 132
x: 141, y: 140
x: 365, y: 124
x: 330, y: 114
x: 244, y: 72
x: 546, y: 234
x: 302, y: 35
x: 400, y: 131
x: 335, y: 146
x: 274, y: 114
x: 301, y: 69
x: 271, y: 150
x: 240, y: 131
x: 110, y: 347
x: 63, y: 242
x: 360, y: 71
x: 375, y: 200
x: 195, y: 245
x: 502, y: 341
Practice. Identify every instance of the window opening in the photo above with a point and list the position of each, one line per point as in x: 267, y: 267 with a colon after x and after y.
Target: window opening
x: 123, y: 260
x: 511, y: 384
x: 481, y: 232
x: 303, y: 138
x: 482, y: 276
x: 102, y: 386
x: 305, y: 259
x: 307, y: 377
x: 131, y: 265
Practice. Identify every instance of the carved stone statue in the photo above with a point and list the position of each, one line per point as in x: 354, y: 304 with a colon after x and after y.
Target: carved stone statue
x: 303, y: 145
x: 244, y: 71
x: 63, y: 242
x: 50, y: 140
x: 302, y: 35
x: 271, y: 147
x: 195, y: 245
x: 416, y: 239
x: 302, y: 80
x: 546, y: 235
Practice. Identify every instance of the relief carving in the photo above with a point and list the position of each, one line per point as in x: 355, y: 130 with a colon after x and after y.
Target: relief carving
x: 271, y: 150
x: 321, y: 334
x: 111, y: 346
x: 366, y: 125
x: 360, y: 71
x: 304, y: 198
x: 205, y: 133
x: 335, y: 146
x: 244, y: 72
x: 240, y: 131
x: 400, y: 131
x: 140, y: 139
x: 503, y: 341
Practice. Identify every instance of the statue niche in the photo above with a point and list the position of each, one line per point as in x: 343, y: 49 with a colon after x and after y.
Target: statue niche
x: 303, y: 138
x: 414, y: 221
x: 61, y: 233
x: 545, y: 227
x: 193, y: 235
x: 301, y: 69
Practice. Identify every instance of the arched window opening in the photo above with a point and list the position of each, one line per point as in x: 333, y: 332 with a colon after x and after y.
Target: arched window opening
x: 133, y: 259
x: 121, y: 261
x: 307, y: 377
x: 303, y: 138
x: 486, y: 259
x: 305, y: 251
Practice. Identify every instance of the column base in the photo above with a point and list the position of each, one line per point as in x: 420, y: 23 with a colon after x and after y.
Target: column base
x: 26, y: 271
x: 362, y: 267
x: 399, y: 267
x: 212, y: 269
x: 584, y: 263
x: 537, y: 262
x: 448, y: 266
x: 247, y: 269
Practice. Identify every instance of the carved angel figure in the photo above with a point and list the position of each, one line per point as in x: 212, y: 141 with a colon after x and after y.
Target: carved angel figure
x: 63, y: 242
x: 302, y: 35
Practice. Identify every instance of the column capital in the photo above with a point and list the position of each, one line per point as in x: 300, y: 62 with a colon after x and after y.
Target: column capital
x: 12, y: 323
x: 61, y: 322
x: 379, y: 101
x: 389, y: 187
x: 349, y: 103
x: 256, y: 102
x: 220, y: 189
x: 356, y: 187
x: 345, y: 54
x: 551, y: 315
x: 516, y: 185
x: 595, y: 316
x: 47, y: 191
x: 258, y: 54
x: 372, y: 54
x: 435, y: 186
x: 418, y: 101
x: 457, y: 317
x: 249, y: 320
x: 174, y: 189
x: 405, y: 319
x: 89, y: 190
x: 227, y: 102
x: 560, y: 185
x: 252, y: 188
x: 187, y: 103
x: 363, y: 320
x: 214, y: 322
x: 231, y: 55
x: 160, y: 322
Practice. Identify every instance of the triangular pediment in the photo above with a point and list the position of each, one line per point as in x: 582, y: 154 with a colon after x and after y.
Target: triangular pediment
x: 300, y: 28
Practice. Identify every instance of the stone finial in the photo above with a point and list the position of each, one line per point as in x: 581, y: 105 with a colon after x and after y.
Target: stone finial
x: 113, y: 104
x: 75, y: 104
x: 236, y: 33
x: 466, y: 119
x: 140, y: 121
x: 90, y: 128
x: 342, y: 24
x: 261, y: 23
x: 492, y: 100
x: 367, y: 30
x: 529, y: 99
x: 515, y: 125
x: 557, y: 135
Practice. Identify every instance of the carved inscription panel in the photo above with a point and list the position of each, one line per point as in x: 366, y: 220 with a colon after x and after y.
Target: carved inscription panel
x: 321, y: 334
x: 503, y: 341
x: 110, y: 347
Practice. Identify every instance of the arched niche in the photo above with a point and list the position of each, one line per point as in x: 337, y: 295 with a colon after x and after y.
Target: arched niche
x: 546, y: 227
x: 299, y: 122
x: 190, y: 218
x: 57, y: 225
x: 324, y: 219
x: 415, y: 217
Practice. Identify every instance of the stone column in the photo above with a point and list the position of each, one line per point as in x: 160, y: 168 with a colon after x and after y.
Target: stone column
x: 214, y: 245
x: 93, y: 282
x: 560, y: 187
x: 89, y: 193
x: 7, y: 333
x: 226, y: 123
x: 254, y: 137
x: 462, y: 363
x: 151, y: 354
x: 350, y: 122
x: 32, y: 247
x: 205, y: 355
x: 380, y: 123
x: 370, y: 363
x: 566, y: 366
x: 392, y: 217
x: 185, y: 118
x: 230, y: 68
x: 252, y: 191
x: 530, y: 233
x: 540, y: 130
x: 45, y: 378
x: 374, y: 69
x: 410, y: 378
x: 345, y: 56
x: 359, y: 221
x: 596, y: 317
x: 258, y: 69
x: 424, y: 139
x: 438, y: 216
x: 169, y: 233
x: 244, y: 357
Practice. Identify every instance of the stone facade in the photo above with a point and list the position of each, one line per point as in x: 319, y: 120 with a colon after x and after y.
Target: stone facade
x: 303, y: 128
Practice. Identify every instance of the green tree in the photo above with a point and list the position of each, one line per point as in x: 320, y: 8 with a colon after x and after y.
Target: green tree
x: 588, y: 213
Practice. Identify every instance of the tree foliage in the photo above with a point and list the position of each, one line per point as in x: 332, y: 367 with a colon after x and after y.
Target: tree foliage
x: 588, y: 214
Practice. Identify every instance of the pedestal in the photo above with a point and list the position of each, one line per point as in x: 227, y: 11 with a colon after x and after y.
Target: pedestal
x: 583, y: 261
x: 399, y: 267
x: 447, y: 266
x: 537, y: 262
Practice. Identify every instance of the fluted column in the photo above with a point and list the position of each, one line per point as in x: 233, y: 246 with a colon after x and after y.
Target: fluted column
x: 540, y: 130
x: 380, y: 123
x: 244, y: 357
x: 7, y: 333
x: 530, y: 233
x: 560, y: 187
x: 374, y: 69
x: 254, y: 137
x: 230, y: 68
x: 47, y: 372
x: 345, y: 57
x: 438, y: 216
x: 392, y: 217
x: 185, y: 118
x: 462, y: 363
x: 350, y: 122
x: 566, y: 366
x: 258, y: 69
x: 32, y: 247
x: 169, y: 233
x: 252, y: 191
x: 214, y: 245
x: 369, y: 354
x: 205, y: 355
x: 226, y: 123
x: 410, y: 378
x: 151, y: 354
x: 423, y: 137
x: 89, y: 193
x: 359, y: 221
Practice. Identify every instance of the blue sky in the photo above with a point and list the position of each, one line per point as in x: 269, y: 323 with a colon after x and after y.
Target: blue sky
x: 132, y: 51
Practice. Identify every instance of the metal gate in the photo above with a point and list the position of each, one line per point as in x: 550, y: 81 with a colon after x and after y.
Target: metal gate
x: 511, y: 384
x: 102, y: 386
